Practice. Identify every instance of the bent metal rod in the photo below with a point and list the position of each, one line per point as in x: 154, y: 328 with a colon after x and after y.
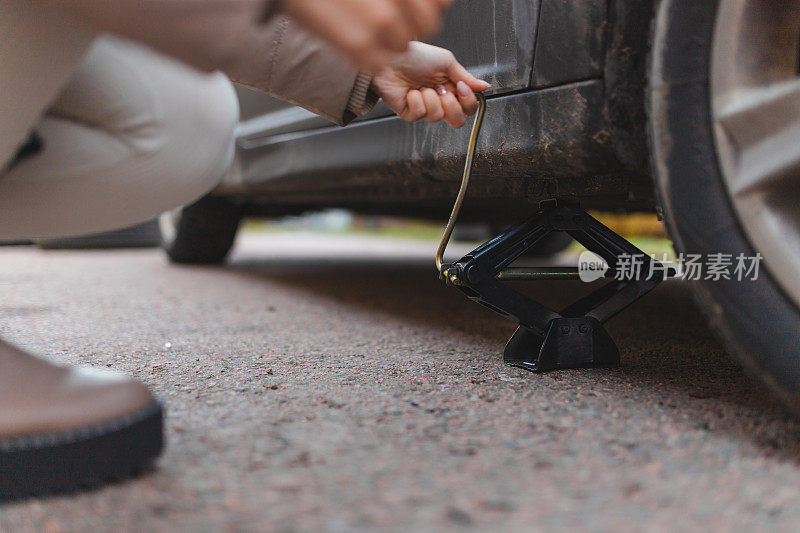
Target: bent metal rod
x: 509, y: 274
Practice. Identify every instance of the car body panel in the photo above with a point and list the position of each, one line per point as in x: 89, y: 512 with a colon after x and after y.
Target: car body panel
x: 570, y: 42
x: 565, y: 119
x: 494, y: 39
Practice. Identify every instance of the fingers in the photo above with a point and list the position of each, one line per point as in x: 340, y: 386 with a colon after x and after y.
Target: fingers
x: 449, y: 103
x: 466, y: 98
x: 440, y: 103
x: 415, y: 107
x: 454, y: 113
x: 422, y: 15
x: 457, y: 73
x: 433, y: 105
x: 369, y: 32
x: 387, y: 25
x: 400, y: 21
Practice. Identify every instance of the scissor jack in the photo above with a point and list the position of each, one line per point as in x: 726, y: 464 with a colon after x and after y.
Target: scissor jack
x: 545, y: 339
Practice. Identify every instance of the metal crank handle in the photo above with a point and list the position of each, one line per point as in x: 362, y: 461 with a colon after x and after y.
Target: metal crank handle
x: 462, y: 192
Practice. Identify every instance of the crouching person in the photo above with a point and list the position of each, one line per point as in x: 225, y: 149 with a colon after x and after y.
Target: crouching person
x: 114, y: 111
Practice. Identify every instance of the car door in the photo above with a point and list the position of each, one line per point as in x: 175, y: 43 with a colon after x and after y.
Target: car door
x: 493, y: 39
x: 545, y: 60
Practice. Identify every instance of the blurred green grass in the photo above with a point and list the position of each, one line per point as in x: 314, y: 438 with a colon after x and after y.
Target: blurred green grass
x: 413, y: 230
x: 643, y: 230
x: 658, y: 247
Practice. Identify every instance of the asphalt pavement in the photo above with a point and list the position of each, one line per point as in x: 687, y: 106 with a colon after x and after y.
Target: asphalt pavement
x: 333, y: 384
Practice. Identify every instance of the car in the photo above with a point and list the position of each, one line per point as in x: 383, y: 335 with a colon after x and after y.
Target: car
x: 687, y: 109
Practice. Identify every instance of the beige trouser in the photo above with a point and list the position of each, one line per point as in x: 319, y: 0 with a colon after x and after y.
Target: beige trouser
x: 128, y: 134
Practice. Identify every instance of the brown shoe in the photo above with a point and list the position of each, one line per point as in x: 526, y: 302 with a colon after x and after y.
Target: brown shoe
x: 63, y: 429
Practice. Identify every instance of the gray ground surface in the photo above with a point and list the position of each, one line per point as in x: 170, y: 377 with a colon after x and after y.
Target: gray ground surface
x: 343, y: 388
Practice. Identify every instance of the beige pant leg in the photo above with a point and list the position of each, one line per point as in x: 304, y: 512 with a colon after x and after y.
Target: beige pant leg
x: 132, y: 134
x: 38, y: 54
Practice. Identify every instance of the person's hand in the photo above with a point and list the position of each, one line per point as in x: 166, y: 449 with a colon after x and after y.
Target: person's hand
x: 428, y: 82
x: 369, y: 32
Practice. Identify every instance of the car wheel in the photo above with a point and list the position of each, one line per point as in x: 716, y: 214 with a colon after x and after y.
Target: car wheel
x: 724, y: 111
x: 202, y: 233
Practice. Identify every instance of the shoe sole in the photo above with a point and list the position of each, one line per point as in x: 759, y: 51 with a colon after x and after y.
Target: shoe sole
x: 67, y: 462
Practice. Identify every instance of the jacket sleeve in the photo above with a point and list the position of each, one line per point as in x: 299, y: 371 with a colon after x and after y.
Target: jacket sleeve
x: 285, y: 61
x: 274, y: 55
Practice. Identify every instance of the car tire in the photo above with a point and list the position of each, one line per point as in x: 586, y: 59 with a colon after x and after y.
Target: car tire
x: 757, y: 320
x: 202, y: 233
